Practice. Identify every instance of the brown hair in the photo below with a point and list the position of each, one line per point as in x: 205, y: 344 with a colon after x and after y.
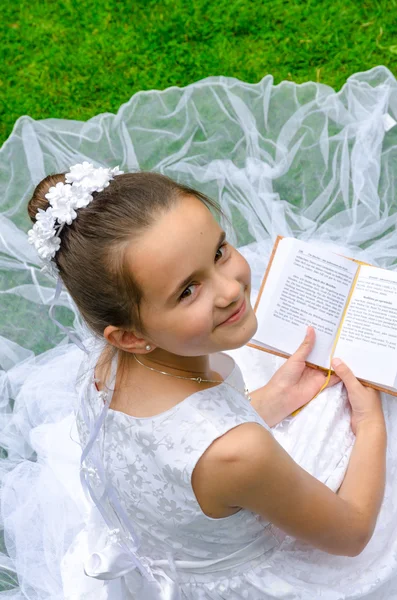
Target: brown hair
x: 91, y: 258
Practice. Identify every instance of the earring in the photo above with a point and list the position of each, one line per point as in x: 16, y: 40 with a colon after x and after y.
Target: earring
x: 147, y: 347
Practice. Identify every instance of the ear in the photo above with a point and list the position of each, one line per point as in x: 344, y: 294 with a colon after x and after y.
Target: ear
x: 126, y: 340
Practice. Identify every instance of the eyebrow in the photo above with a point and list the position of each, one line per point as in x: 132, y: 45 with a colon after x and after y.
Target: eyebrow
x: 183, y: 284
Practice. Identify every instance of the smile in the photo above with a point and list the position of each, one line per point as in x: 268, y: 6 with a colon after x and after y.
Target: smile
x: 235, y: 316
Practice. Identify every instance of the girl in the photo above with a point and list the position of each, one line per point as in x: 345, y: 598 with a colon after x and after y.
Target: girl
x: 191, y: 494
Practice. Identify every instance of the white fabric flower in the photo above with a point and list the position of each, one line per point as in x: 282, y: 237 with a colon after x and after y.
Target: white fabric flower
x: 81, y: 198
x: 45, y: 222
x: 48, y: 249
x: 64, y: 211
x: 35, y: 238
x: 50, y: 269
x: 58, y: 193
x: 90, y: 179
x: 116, y: 171
x: 79, y: 172
x: 64, y: 198
x: 96, y: 181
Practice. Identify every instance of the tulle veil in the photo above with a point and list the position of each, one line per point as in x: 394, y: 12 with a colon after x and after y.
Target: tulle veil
x: 296, y: 160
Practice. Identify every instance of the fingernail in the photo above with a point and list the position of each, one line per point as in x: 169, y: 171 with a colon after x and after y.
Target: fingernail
x: 336, y: 362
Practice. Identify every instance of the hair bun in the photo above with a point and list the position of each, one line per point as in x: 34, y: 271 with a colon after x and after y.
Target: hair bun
x: 38, y: 200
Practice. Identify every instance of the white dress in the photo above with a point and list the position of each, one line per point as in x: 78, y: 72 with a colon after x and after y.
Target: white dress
x: 298, y: 160
x: 150, y: 462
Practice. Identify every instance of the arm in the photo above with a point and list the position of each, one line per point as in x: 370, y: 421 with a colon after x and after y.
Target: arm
x: 364, y: 482
x: 247, y: 468
x: 368, y: 459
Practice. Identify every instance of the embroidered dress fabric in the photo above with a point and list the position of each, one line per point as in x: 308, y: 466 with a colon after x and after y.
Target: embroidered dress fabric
x: 294, y: 160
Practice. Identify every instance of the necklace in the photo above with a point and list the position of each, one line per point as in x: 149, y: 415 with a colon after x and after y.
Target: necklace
x: 198, y: 379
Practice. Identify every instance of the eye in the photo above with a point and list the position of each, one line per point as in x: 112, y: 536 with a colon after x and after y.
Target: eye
x: 187, y: 292
x: 221, y: 251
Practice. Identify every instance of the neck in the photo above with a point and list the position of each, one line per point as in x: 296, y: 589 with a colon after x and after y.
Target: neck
x: 189, y: 366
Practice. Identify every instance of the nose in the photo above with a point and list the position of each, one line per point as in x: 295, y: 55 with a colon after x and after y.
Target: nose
x: 229, y: 290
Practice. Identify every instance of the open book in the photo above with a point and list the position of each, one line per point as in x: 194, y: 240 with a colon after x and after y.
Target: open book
x: 352, y: 306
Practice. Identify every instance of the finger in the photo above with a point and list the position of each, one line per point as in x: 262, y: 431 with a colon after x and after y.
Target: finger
x: 333, y: 380
x: 306, y: 346
x: 343, y: 371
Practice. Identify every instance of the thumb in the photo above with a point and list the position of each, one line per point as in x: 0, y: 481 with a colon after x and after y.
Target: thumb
x: 343, y: 371
x: 306, y: 346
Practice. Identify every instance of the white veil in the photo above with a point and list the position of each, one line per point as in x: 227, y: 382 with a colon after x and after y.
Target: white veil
x: 298, y: 160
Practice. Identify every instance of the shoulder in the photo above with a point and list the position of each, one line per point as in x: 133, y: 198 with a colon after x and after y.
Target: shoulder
x: 245, y: 443
x: 236, y: 458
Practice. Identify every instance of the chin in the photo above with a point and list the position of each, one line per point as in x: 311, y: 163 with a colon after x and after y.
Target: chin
x: 244, y: 334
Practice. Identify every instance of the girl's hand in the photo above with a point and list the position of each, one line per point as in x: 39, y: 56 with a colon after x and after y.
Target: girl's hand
x: 295, y: 384
x: 365, y: 402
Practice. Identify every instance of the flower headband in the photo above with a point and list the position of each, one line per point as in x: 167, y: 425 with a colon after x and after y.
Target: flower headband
x: 82, y: 180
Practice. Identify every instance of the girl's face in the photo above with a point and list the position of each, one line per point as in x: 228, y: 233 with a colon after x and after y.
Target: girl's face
x: 193, y: 283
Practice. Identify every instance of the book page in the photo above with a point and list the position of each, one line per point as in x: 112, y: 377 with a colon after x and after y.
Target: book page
x: 306, y: 285
x: 368, y: 339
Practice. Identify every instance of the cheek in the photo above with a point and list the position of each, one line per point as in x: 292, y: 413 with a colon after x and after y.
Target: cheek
x: 196, y: 322
x: 187, y: 325
x: 243, y: 269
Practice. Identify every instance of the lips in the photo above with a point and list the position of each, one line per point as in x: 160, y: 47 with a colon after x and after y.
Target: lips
x: 236, y: 315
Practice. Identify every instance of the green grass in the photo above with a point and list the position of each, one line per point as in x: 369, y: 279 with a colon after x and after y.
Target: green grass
x: 75, y: 59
